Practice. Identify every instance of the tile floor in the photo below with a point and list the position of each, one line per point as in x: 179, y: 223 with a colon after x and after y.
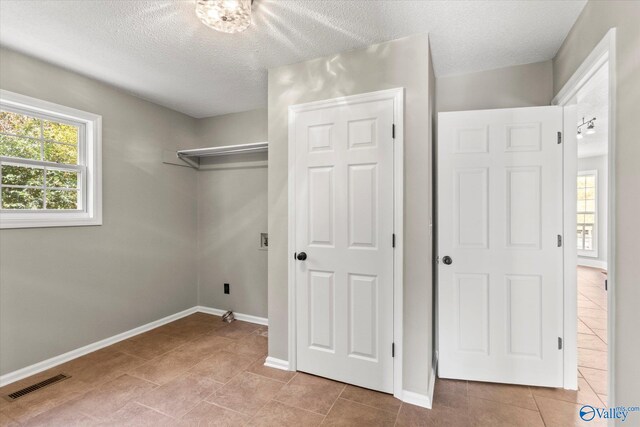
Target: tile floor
x: 199, y: 371
x: 592, y: 329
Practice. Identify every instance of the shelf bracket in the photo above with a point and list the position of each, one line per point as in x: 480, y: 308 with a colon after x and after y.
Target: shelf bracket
x: 191, y: 162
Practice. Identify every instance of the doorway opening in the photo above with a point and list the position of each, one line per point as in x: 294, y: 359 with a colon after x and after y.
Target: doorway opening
x: 592, y: 135
x: 592, y: 107
x: 588, y: 99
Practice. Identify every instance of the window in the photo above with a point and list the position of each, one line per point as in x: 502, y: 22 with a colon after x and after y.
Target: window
x: 587, y: 210
x: 50, y: 162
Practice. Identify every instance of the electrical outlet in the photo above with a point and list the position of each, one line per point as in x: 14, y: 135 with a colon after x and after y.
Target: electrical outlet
x: 226, y: 288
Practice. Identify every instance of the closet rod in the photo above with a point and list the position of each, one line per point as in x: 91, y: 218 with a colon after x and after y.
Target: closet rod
x: 224, y: 150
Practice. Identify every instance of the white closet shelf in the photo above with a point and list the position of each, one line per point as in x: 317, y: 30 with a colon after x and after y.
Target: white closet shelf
x: 224, y: 150
x: 192, y: 156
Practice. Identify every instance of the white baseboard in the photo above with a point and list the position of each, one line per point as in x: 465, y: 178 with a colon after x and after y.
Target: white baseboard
x: 272, y: 362
x: 417, y: 399
x: 239, y: 316
x: 432, y: 379
x: 595, y: 263
x: 27, y: 371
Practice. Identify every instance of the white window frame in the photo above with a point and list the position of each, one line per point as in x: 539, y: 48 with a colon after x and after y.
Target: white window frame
x: 593, y: 253
x: 89, y: 163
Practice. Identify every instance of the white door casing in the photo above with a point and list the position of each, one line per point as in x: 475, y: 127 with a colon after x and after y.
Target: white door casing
x: 500, y: 310
x: 344, y: 223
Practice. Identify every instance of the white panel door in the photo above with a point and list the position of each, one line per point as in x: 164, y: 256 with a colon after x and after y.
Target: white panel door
x: 344, y: 226
x: 499, y: 220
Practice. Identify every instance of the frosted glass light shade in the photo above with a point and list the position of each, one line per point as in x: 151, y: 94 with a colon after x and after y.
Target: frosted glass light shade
x: 228, y: 16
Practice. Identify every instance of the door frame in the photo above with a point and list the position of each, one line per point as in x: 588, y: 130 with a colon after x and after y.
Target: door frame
x: 397, y: 95
x: 604, y: 54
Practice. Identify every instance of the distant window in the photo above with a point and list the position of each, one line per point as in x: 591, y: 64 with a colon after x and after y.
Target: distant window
x: 49, y: 164
x: 587, y: 211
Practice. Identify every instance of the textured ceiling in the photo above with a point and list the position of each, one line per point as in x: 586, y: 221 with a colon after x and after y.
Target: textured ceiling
x: 160, y: 51
x: 593, y: 101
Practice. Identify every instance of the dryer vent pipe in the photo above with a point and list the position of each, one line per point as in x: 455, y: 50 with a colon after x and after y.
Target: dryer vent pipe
x: 228, y: 317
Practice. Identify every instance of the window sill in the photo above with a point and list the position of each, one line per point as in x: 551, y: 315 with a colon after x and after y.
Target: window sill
x: 587, y: 254
x: 41, y: 220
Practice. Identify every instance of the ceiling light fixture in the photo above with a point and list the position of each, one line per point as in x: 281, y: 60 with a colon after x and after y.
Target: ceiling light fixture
x: 591, y: 127
x: 227, y: 16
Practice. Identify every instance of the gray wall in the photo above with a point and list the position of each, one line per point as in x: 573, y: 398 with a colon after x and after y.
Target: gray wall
x: 66, y: 287
x: 399, y: 63
x: 232, y: 212
x: 599, y: 163
x: 526, y: 85
x: 594, y: 22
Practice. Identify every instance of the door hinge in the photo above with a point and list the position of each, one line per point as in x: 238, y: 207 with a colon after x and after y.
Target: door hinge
x: 393, y: 240
x: 559, y: 343
x: 559, y: 240
x: 393, y: 131
x: 559, y: 137
x: 393, y: 349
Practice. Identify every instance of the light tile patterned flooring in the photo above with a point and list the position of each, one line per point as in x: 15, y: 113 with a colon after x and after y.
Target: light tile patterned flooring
x: 592, y: 330
x: 199, y: 371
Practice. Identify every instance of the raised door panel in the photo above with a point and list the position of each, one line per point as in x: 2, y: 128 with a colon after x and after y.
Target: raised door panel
x: 321, y: 309
x: 320, y: 137
x: 471, y: 208
x: 523, y: 137
x: 472, y: 312
x: 362, y: 133
x: 321, y: 206
x: 363, y: 316
x: 524, y: 315
x: 363, y: 206
x: 523, y: 204
x: 472, y: 140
